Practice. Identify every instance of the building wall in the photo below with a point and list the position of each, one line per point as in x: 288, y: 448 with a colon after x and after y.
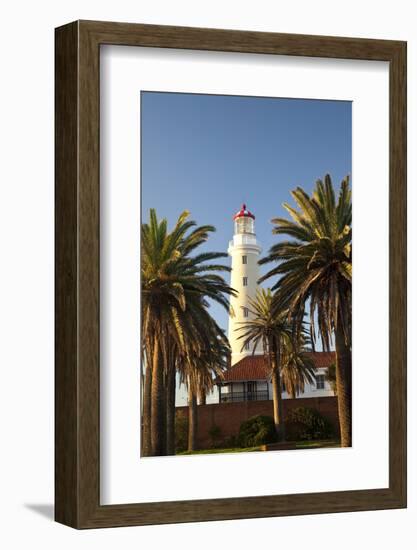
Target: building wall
x: 229, y: 416
x: 310, y: 389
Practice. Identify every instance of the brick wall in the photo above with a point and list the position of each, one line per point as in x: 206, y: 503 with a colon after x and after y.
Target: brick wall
x: 229, y: 416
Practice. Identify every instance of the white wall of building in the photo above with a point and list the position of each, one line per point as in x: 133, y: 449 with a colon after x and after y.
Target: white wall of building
x: 311, y: 390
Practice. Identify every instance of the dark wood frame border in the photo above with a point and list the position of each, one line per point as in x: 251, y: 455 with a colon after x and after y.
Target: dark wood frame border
x: 77, y: 274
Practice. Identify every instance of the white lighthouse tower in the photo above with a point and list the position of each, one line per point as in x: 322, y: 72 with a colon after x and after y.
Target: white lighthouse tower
x: 244, y: 250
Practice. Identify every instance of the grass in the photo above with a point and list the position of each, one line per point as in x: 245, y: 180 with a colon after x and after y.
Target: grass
x: 217, y: 451
x: 318, y: 444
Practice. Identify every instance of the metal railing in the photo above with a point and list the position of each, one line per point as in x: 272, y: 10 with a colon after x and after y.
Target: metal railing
x: 260, y: 395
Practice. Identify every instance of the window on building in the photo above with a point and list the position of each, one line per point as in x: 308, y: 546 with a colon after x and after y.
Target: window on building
x: 320, y: 381
x: 245, y: 281
x: 244, y: 259
x: 245, y: 312
x: 283, y: 388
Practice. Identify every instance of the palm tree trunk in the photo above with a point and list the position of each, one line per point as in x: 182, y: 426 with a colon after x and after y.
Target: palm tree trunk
x: 158, y: 431
x: 276, y: 392
x: 192, y: 419
x: 146, y: 411
x: 170, y: 410
x: 344, y: 388
x: 202, y: 396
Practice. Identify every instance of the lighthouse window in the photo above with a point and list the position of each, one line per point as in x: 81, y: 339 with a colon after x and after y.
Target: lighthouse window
x: 245, y: 312
x: 244, y: 259
x: 245, y: 281
x: 244, y: 224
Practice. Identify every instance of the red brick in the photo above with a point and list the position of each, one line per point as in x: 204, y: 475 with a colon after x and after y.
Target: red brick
x: 229, y: 416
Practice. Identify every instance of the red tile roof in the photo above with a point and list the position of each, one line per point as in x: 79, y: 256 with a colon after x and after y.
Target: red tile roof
x: 255, y: 367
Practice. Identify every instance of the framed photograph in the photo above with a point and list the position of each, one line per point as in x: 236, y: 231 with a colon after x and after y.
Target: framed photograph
x: 230, y: 274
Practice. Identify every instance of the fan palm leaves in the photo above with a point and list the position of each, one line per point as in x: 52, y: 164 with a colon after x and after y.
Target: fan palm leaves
x: 176, y: 287
x: 314, y: 270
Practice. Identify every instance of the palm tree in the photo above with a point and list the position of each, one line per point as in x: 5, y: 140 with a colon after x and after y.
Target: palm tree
x: 271, y: 329
x: 199, y: 370
x: 315, y: 269
x: 175, y: 289
x: 331, y: 377
x: 146, y: 379
x: 297, y: 367
x: 170, y: 389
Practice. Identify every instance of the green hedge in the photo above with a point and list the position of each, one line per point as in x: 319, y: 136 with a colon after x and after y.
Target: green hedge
x: 303, y: 424
x: 257, y: 430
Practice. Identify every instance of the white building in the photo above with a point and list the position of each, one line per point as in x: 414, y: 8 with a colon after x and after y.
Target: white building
x: 248, y: 377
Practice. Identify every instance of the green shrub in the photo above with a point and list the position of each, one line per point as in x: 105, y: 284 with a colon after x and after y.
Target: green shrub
x: 303, y: 424
x: 181, y: 432
x: 257, y: 430
x: 215, y: 434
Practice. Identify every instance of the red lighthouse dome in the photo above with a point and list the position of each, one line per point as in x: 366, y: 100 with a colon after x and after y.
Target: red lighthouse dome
x: 243, y: 213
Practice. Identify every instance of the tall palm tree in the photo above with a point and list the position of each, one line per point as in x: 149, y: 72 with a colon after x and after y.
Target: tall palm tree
x: 315, y: 270
x: 331, y: 377
x: 199, y: 374
x: 271, y: 329
x: 170, y: 389
x: 146, y: 380
x: 297, y: 366
x: 175, y: 289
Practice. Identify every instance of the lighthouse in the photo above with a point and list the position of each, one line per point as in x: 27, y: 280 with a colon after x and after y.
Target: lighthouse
x: 244, y: 250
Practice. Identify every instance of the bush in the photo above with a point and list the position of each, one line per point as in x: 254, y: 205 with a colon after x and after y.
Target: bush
x: 181, y: 432
x: 303, y: 424
x: 215, y: 435
x: 257, y: 430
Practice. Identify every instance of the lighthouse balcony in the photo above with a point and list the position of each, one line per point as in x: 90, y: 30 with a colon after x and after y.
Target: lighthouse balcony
x: 243, y: 239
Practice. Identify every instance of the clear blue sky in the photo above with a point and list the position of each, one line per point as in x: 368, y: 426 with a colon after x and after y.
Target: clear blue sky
x: 208, y: 154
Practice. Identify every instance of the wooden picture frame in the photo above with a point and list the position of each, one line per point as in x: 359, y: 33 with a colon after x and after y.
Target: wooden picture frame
x: 77, y: 382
